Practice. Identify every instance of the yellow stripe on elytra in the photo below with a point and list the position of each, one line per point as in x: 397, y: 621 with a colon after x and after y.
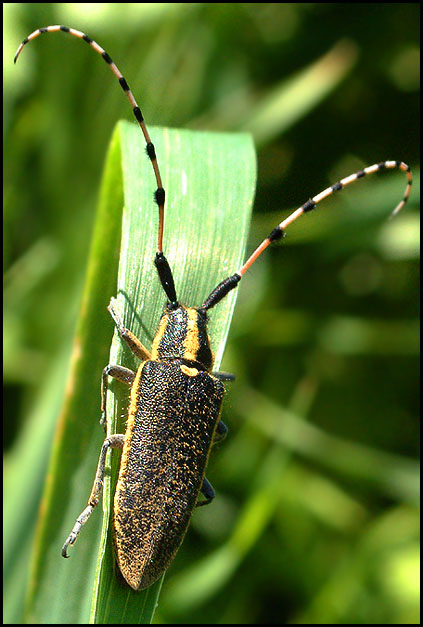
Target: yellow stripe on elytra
x: 139, y: 561
x: 191, y: 343
x: 132, y: 410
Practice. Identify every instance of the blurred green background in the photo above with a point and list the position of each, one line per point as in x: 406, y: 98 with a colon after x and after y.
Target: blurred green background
x: 316, y: 519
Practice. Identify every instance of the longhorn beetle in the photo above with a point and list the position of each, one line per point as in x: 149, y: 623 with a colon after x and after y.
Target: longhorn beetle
x: 175, y: 399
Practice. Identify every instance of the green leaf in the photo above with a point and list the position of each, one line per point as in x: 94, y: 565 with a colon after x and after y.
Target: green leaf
x: 209, y: 179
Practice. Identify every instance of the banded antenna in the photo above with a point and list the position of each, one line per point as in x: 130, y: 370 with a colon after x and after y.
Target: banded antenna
x: 279, y: 231
x: 162, y: 265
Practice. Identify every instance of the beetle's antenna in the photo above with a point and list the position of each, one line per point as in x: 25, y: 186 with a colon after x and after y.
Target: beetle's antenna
x: 159, y: 195
x: 279, y: 231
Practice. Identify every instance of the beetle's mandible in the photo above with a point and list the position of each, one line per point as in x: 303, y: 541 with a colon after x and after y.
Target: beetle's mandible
x: 175, y: 397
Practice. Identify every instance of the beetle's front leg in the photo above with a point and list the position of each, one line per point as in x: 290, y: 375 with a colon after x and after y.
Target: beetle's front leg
x: 113, y: 441
x: 224, y: 376
x: 136, y: 346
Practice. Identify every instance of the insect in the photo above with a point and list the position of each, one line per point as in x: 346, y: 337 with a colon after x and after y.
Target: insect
x: 175, y: 396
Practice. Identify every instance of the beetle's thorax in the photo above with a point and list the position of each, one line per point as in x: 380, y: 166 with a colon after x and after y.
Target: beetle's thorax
x: 182, y: 334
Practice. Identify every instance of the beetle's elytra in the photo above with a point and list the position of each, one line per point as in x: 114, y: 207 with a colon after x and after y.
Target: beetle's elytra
x: 175, y: 398
x: 174, y: 409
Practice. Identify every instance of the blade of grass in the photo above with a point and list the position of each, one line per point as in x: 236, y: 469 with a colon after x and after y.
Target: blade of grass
x: 209, y: 179
x: 23, y: 480
x: 58, y: 590
x: 391, y: 474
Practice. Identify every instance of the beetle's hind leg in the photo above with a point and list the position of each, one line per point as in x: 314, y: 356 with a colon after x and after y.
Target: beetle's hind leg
x: 221, y: 432
x: 113, y: 441
x: 207, y: 490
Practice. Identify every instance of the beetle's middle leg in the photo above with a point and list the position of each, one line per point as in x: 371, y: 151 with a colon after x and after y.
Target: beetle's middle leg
x: 117, y: 372
x: 112, y: 441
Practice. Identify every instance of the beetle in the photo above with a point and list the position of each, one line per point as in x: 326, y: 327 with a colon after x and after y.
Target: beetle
x: 175, y: 396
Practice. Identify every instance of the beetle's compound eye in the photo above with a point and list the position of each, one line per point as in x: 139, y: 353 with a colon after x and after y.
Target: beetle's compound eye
x: 172, y: 306
x: 202, y: 313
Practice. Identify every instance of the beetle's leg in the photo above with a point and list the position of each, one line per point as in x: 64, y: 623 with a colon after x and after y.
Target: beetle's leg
x: 208, y: 491
x: 224, y: 376
x: 113, y: 441
x: 221, y: 432
x: 131, y: 340
x: 118, y: 372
